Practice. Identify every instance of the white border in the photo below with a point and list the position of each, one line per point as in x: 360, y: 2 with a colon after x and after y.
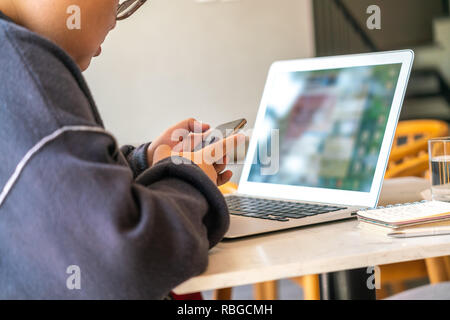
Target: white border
x: 349, y: 198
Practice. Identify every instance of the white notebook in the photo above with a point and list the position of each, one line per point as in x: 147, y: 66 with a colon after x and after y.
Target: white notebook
x: 408, y: 214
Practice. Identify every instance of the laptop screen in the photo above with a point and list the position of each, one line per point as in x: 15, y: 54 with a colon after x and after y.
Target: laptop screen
x: 330, y: 124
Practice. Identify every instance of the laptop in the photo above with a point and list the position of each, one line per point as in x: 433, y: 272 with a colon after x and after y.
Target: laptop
x: 320, y: 146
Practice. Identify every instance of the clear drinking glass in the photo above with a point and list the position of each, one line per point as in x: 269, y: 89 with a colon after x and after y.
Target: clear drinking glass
x: 439, y: 153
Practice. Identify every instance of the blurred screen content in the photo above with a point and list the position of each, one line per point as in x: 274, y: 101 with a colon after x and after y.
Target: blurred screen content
x: 331, y: 126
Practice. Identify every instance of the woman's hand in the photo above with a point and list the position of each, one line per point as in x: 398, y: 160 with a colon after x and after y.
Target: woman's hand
x: 183, y: 136
x: 212, y: 159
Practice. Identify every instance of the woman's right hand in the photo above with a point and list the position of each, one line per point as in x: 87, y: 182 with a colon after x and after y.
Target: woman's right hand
x: 212, y: 159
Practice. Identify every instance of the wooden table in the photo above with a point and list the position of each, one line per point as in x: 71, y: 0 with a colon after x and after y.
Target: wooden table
x: 316, y: 249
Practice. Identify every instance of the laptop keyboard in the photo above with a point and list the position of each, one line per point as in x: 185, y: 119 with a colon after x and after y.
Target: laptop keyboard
x: 275, y: 209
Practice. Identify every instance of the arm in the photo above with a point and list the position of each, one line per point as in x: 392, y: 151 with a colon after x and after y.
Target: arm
x: 136, y: 158
x: 131, y: 239
x: 77, y: 202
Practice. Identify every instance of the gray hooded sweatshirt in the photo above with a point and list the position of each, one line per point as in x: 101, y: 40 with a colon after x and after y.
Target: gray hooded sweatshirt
x: 79, y: 217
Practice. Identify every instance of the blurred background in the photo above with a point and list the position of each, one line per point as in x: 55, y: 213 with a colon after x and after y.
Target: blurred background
x: 185, y: 58
x: 209, y: 59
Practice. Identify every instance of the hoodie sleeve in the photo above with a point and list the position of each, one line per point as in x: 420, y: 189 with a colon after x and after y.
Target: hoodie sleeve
x: 131, y: 238
x: 136, y: 157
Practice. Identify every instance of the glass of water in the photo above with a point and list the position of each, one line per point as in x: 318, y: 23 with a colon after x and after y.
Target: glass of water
x: 439, y: 153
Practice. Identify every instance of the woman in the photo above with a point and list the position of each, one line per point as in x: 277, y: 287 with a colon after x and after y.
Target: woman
x: 133, y: 223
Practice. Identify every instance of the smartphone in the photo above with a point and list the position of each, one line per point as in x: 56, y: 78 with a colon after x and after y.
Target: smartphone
x: 221, y: 132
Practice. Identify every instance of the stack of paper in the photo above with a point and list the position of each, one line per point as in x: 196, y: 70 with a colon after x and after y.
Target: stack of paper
x: 420, y: 218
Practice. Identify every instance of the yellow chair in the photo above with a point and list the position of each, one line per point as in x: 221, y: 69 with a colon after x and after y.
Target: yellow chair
x: 409, y: 157
x: 409, y: 154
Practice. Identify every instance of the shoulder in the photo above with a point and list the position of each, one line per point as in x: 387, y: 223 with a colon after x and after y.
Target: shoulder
x: 38, y: 69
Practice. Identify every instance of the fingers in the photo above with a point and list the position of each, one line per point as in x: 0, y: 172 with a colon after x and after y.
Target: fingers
x: 216, y: 151
x: 224, y: 177
x: 190, y: 142
x: 187, y: 134
x: 213, y: 171
x: 221, y: 165
x: 192, y: 125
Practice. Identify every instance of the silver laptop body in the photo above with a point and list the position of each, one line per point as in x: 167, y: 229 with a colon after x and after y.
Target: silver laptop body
x: 321, y: 142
